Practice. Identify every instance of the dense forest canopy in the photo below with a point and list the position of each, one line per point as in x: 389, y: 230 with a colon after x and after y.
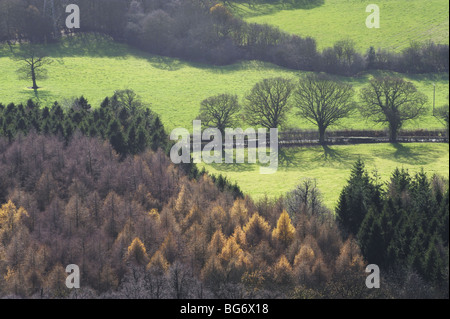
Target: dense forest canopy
x: 158, y: 234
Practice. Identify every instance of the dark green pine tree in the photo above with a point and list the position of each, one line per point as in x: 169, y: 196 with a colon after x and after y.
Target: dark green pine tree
x: 57, y: 112
x: 69, y: 129
x: 132, y: 140
x: 444, y: 218
x: 57, y: 129
x: 158, y: 135
x: 22, y: 125
x: 45, y: 113
x: 142, y: 140
x: 124, y: 115
x: 433, y: 265
x: 423, y: 200
x: 45, y: 127
x: 356, y: 198
x: 365, y: 230
x: 117, y: 138
x: 83, y: 104
x: 416, y: 257
x: 376, y: 246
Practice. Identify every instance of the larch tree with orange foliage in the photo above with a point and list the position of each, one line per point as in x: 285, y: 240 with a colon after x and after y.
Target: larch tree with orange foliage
x: 285, y: 231
x: 234, y: 260
x: 137, y: 253
x: 256, y: 230
x: 283, y: 273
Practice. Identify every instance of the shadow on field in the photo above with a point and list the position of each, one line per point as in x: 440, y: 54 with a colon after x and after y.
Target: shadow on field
x: 80, y: 45
x: 416, y: 155
x: 93, y: 45
x: 312, y: 157
x: 289, y: 157
x: 5, y: 50
x: 233, y: 167
x: 39, y: 95
x: 406, y: 154
x: 336, y: 156
x: 165, y: 63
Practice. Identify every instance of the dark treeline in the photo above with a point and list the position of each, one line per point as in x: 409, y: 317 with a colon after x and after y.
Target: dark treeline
x: 404, y: 227
x: 205, y: 31
x: 122, y: 119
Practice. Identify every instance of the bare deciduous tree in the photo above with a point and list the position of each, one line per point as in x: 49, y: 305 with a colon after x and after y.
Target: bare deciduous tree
x: 392, y: 100
x: 268, y: 102
x: 219, y: 111
x: 34, y: 62
x: 323, y: 101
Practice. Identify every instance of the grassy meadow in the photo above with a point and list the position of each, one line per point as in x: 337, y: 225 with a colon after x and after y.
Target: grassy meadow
x: 331, y: 167
x: 400, y: 21
x: 173, y: 88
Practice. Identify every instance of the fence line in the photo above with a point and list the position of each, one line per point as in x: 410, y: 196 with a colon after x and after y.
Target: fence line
x: 296, y: 138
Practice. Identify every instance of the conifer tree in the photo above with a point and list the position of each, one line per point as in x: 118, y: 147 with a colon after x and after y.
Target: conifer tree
x: 285, y: 231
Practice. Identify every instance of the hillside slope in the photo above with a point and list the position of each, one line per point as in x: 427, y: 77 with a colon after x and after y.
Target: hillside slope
x: 400, y: 22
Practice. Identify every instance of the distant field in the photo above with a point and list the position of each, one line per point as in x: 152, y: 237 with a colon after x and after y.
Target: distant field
x: 402, y: 21
x: 331, y: 168
x: 173, y: 87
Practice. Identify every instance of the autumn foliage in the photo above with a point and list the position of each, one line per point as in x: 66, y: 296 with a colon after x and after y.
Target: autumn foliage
x: 135, y: 225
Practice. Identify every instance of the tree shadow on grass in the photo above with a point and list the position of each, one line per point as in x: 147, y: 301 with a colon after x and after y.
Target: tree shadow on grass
x: 38, y: 95
x: 289, y: 157
x: 165, y: 63
x: 312, y: 157
x: 5, y: 50
x: 335, y: 156
x: 414, y: 156
x: 419, y: 154
x: 83, y: 45
x: 233, y: 167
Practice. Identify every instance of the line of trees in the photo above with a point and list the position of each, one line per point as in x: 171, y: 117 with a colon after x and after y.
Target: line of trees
x: 320, y: 99
x: 123, y: 119
x: 403, y: 227
x: 206, y: 31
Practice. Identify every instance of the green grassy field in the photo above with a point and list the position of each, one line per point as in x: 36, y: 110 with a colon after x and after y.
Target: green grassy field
x: 174, y: 88
x: 400, y: 21
x: 331, y: 167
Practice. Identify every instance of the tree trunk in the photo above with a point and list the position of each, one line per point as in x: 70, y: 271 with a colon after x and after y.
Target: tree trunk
x: 393, y: 133
x: 33, y: 77
x: 322, y: 135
